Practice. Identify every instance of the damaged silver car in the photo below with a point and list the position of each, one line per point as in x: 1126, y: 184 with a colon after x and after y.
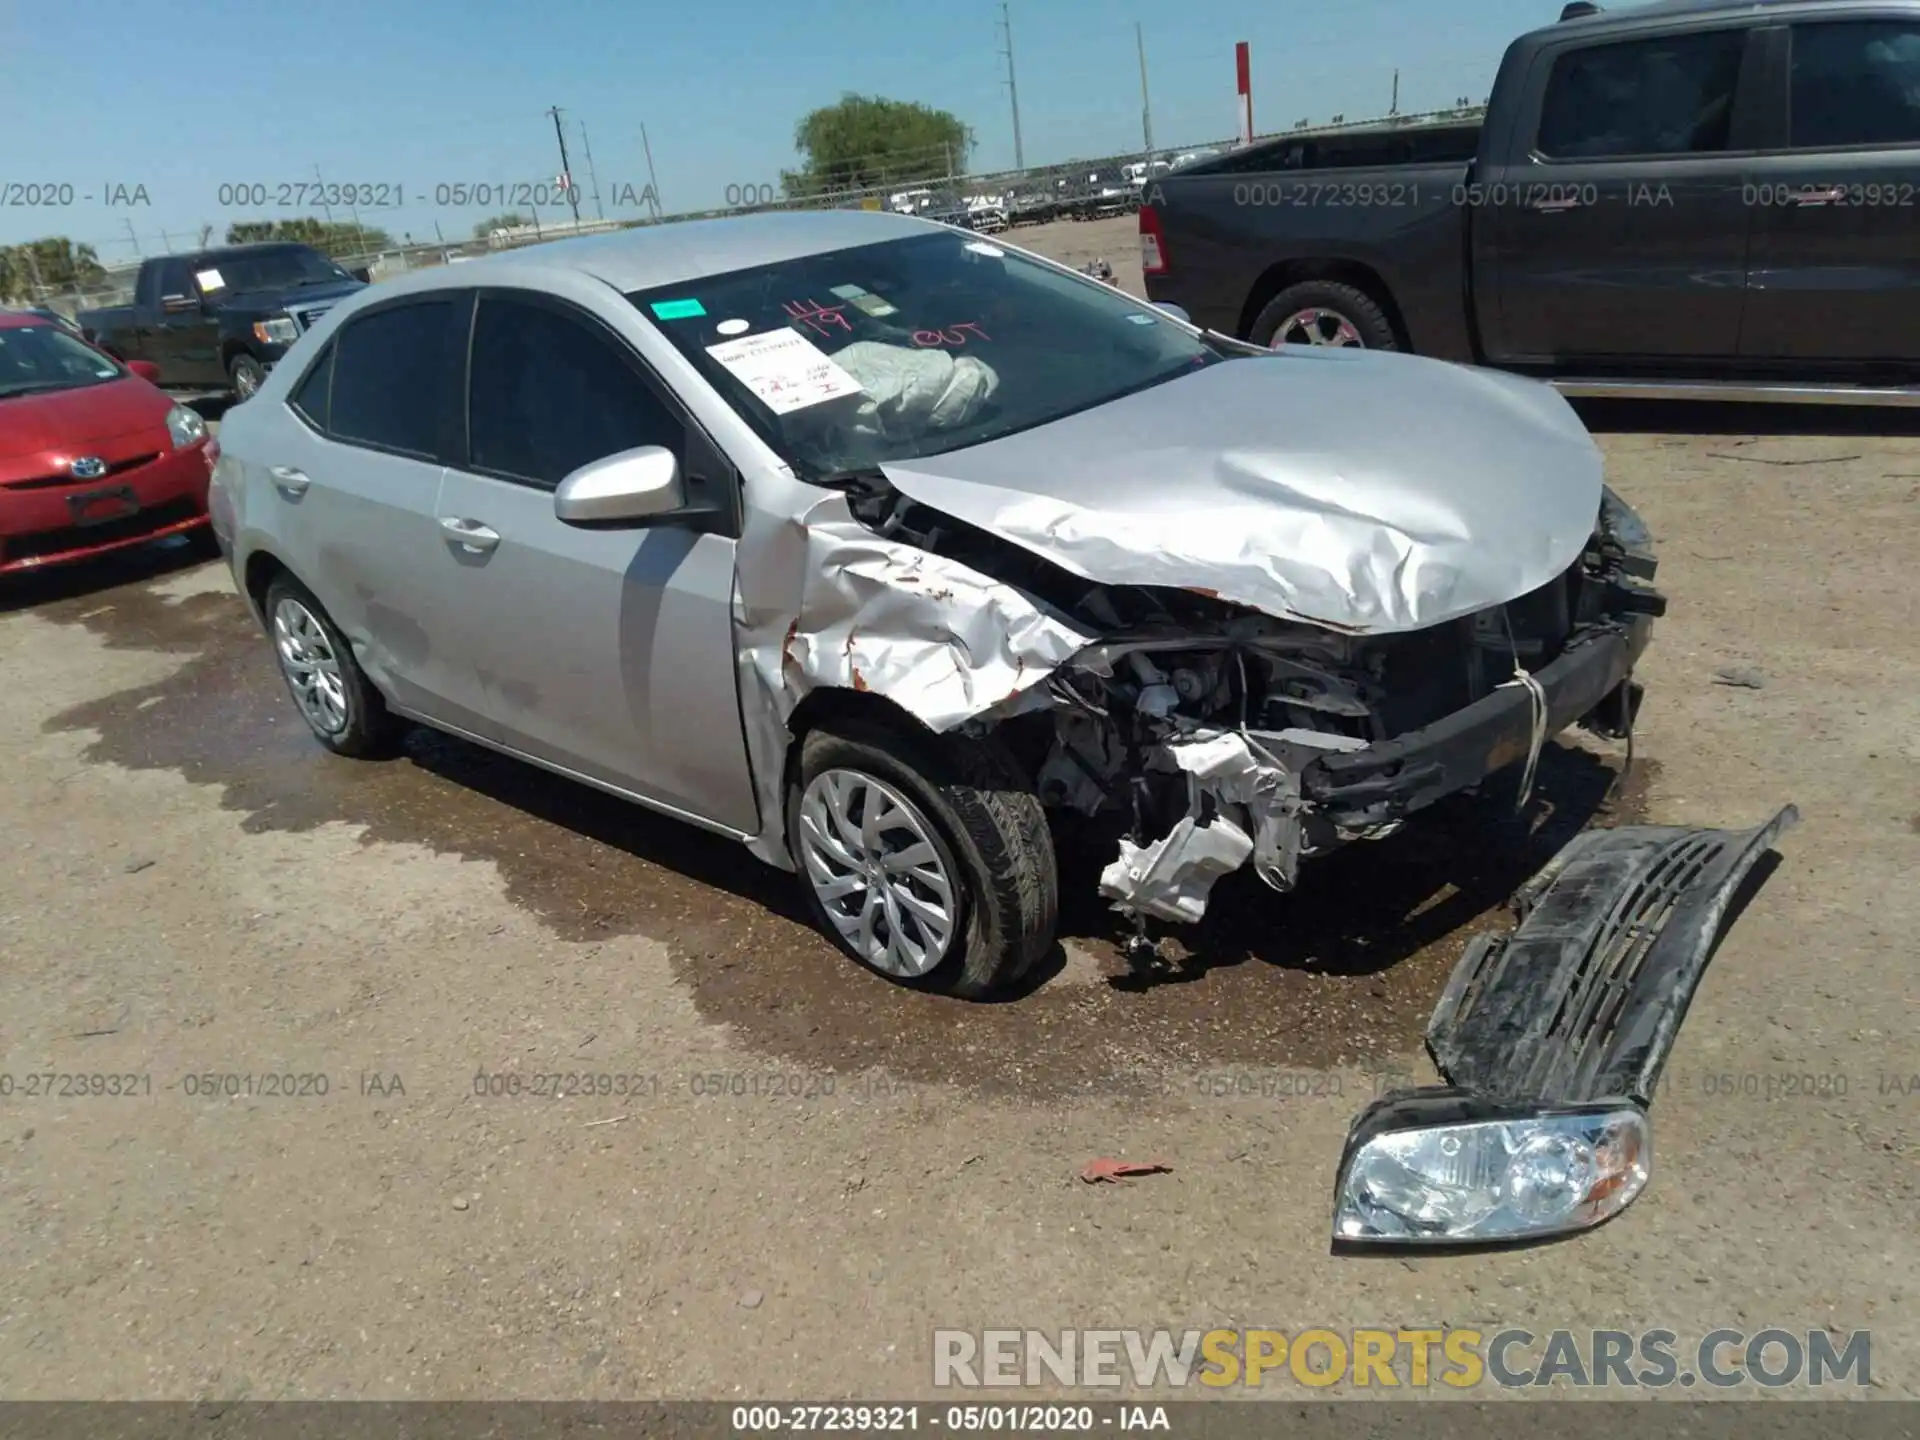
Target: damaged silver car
x: 885, y: 548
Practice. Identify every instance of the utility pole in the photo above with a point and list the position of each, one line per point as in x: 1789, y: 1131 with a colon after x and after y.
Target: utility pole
x: 1013, y: 90
x: 133, y: 237
x: 326, y: 208
x: 1146, y: 105
x: 653, y: 180
x: 1394, y: 108
x: 566, y: 170
x: 593, y: 176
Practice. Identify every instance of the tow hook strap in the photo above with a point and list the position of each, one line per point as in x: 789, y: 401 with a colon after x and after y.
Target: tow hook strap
x: 1522, y: 677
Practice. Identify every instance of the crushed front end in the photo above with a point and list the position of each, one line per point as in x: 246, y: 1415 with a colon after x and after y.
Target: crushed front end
x: 1217, y: 736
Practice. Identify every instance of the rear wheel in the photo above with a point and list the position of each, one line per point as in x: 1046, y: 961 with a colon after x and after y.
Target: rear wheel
x: 925, y: 858
x: 1323, y: 312
x: 332, y: 694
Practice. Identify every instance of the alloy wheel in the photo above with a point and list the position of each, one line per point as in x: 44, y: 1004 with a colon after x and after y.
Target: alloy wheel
x: 871, y: 858
x: 312, y: 668
x: 1317, y: 325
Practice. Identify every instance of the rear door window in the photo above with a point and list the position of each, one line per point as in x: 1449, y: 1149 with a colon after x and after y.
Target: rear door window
x: 1855, y: 83
x: 395, y: 376
x: 1668, y: 95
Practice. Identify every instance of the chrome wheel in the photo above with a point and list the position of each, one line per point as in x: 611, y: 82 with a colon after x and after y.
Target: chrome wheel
x: 312, y: 669
x: 1317, y: 326
x: 872, y: 861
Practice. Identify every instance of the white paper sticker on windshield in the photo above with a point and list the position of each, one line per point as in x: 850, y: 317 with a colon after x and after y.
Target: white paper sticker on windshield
x: 734, y: 327
x: 992, y: 252
x: 785, y: 370
x: 209, y: 279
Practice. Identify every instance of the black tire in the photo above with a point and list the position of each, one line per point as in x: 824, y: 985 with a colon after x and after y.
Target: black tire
x: 247, y: 375
x: 988, y: 827
x: 368, y: 731
x: 1352, y: 305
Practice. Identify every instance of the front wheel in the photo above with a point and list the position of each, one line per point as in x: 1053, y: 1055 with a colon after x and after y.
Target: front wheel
x: 926, y: 858
x: 1322, y: 312
x: 247, y: 375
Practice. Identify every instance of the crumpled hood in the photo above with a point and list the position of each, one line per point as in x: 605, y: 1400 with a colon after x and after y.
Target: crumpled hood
x: 1360, y: 490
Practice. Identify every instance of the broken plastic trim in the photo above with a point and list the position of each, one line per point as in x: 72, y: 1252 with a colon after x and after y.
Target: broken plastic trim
x: 1579, y: 1007
x: 1583, y: 1000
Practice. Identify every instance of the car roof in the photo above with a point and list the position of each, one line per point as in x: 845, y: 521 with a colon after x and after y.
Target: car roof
x: 676, y: 251
x: 20, y: 319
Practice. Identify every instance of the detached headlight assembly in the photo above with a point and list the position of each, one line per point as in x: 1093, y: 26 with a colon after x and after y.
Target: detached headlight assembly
x: 186, y: 427
x: 277, y: 331
x: 1441, y: 1168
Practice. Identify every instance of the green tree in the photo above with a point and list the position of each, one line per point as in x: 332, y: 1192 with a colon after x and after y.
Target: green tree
x: 866, y: 141
x: 53, y: 262
x: 508, y: 221
x: 331, y: 237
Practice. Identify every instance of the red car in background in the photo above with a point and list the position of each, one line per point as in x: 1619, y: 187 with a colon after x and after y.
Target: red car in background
x: 92, y: 456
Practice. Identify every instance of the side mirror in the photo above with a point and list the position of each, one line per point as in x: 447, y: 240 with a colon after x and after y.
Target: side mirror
x: 146, y: 370
x: 362, y: 273
x: 1177, y: 313
x: 633, y: 486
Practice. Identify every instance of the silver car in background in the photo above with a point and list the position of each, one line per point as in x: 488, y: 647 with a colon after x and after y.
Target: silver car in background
x: 869, y: 542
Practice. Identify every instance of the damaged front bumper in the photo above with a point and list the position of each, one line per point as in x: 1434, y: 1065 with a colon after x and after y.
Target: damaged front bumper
x: 1590, y: 681
x: 1550, y: 1040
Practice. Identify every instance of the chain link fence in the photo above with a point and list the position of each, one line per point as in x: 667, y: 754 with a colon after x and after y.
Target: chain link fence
x: 988, y: 200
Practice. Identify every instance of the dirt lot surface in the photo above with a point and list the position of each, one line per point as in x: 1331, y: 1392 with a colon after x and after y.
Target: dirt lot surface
x: 810, y: 1170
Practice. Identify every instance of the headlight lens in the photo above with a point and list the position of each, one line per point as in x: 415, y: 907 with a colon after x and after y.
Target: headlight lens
x: 1475, y: 1181
x: 186, y: 427
x: 277, y: 331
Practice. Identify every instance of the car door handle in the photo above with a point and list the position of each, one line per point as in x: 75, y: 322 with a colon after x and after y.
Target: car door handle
x: 1825, y: 195
x: 1555, y: 204
x: 289, y: 481
x: 470, y: 534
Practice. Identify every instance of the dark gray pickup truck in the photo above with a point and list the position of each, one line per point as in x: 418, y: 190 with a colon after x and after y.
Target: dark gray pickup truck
x: 219, y: 320
x: 1694, y: 198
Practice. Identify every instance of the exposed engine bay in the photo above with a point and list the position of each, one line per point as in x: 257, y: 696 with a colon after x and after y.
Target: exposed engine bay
x: 1193, y: 726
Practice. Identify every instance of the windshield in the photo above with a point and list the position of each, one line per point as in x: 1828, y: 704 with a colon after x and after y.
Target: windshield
x: 36, y: 358
x: 907, y: 348
x: 267, y: 270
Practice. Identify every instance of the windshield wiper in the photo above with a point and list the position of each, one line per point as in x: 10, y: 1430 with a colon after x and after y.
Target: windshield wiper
x: 7, y: 392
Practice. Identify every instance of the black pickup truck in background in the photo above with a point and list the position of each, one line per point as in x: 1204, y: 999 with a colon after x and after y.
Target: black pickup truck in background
x: 1694, y: 198
x: 217, y: 320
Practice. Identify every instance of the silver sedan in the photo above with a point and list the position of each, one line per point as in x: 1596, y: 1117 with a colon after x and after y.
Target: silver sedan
x: 869, y: 541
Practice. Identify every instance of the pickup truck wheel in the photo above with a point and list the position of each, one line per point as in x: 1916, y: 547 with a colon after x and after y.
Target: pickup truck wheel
x: 1321, y: 312
x: 247, y: 374
x: 926, y: 859
x: 331, y: 692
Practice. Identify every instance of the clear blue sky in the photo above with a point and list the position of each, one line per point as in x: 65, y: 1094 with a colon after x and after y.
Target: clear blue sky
x: 180, y: 96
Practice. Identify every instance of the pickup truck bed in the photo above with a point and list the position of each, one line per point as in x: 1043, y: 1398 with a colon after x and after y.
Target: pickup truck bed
x: 1696, y: 198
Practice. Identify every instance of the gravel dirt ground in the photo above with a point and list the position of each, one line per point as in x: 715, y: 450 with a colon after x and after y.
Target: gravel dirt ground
x: 800, y: 1172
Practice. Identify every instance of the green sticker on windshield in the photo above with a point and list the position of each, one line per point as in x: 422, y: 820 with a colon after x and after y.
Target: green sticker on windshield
x: 678, y: 309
